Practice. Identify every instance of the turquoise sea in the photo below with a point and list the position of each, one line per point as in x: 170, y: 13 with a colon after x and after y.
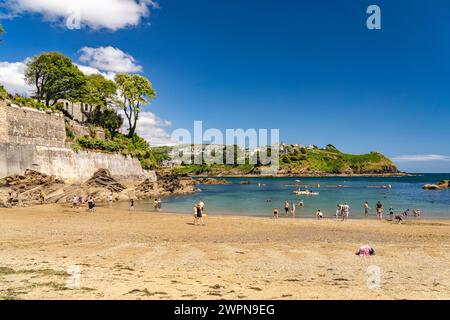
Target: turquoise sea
x: 251, y: 200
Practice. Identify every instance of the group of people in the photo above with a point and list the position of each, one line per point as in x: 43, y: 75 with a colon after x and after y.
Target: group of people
x: 342, y: 211
x: 78, y: 202
x: 199, y: 214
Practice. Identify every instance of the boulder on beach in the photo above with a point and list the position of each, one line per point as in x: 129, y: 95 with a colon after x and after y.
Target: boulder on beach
x: 102, y: 179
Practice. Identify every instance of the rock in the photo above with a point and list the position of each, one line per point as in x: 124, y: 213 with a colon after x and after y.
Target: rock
x: 211, y: 181
x: 444, y: 184
x: 431, y: 187
x: 102, y: 179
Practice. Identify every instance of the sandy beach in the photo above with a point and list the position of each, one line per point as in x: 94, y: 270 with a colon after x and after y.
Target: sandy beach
x: 116, y: 254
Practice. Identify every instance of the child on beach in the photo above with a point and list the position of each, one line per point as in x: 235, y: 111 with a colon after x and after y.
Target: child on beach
x: 319, y: 214
x: 391, y: 213
x: 338, y: 211
x: 275, y: 213
x: 131, y: 205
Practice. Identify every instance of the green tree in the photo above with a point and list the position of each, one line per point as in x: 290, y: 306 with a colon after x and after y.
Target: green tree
x: 106, y: 118
x: 135, y: 91
x: 98, y: 92
x: 54, y: 77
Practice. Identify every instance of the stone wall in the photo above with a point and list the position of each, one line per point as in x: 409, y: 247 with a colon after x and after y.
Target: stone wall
x: 32, y: 139
x: 31, y: 126
x: 68, y: 165
x: 82, y: 131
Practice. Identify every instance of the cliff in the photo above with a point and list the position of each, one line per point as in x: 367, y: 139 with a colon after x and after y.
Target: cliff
x: 34, y: 139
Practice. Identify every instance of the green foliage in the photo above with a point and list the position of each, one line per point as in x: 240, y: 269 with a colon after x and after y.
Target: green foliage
x: 136, y: 91
x: 135, y: 147
x: 54, y: 77
x: 31, y: 103
x: 69, y: 134
x: 3, y: 93
x: 105, y: 118
x: 98, y: 92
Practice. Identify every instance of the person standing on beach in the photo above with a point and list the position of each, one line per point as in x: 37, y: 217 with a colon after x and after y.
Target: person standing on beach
x: 338, y: 211
x: 110, y: 200
x: 91, y: 203
x: 366, y: 209
x: 42, y: 197
x: 345, y: 211
x: 286, y: 208
x: 293, y: 209
x: 131, y: 204
x: 379, y: 210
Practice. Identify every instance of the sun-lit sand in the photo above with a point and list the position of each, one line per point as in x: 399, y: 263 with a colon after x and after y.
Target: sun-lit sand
x: 137, y: 255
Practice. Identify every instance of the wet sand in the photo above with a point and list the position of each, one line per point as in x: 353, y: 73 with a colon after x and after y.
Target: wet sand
x: 141, y: 255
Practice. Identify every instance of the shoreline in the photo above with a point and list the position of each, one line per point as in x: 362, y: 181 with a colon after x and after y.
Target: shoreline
x: 143, y: 255
x: 375, y: 175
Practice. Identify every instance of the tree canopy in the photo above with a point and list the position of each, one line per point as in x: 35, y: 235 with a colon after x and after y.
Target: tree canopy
x: 54, y: 77
x: 135, y: 91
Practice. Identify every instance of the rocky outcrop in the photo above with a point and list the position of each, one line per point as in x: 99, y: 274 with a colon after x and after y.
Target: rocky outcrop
x: 444, y: 184
x: 28, y: 189
x: 210, y: 181
x: 102, y: 179
x: 431, y: 187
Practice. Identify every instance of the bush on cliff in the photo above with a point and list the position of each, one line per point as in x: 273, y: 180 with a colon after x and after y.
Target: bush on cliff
x: 135, y: 147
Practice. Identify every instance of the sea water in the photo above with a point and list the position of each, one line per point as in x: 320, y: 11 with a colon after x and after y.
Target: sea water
x: 262, y: 195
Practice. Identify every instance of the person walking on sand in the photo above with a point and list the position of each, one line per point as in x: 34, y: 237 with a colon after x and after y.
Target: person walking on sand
x: 91, y: 203
x: 131, y: 205
x: 159, y: 204
x: 80, y: 201
x: 366, y: 209
x: 286, y: 208
x: 293, y: 209
x: 200, y: 214
x: 379, y: 210
x: 155, y: 204
x: 74, y: 202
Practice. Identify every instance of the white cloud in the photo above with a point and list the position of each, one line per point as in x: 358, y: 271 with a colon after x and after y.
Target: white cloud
x: 421, y: 157
x: 95, y: 14
x: 12, y: 77
x: 90, y: 70
x: 109, y: 59
x: 151, y: 128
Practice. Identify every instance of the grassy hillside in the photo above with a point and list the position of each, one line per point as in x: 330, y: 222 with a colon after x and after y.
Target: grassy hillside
x: 303, y: 161
x: 332, y: 161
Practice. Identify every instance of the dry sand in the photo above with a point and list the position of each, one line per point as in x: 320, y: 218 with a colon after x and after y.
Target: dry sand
x: 123, y: 255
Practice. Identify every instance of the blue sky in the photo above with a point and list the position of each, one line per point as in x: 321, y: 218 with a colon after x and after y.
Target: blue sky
x: 310, y: 68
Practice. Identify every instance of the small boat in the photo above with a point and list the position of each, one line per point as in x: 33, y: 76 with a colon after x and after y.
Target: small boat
x: 306, y: 193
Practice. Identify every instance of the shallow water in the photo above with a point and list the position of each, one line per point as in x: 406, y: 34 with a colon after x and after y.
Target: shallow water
x: 251, y: 200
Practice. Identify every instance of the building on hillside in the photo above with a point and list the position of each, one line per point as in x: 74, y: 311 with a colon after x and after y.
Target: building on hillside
x: 75, y: 109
